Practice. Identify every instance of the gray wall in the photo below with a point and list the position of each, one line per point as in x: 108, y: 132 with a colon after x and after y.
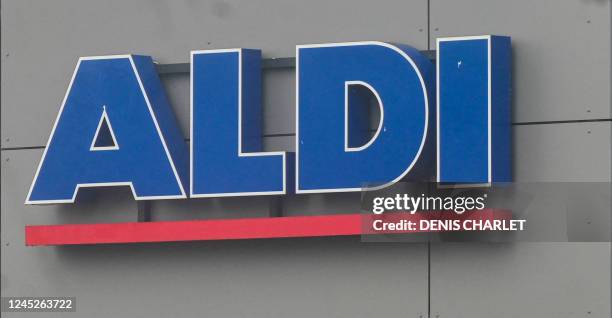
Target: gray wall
x: 561, y: 94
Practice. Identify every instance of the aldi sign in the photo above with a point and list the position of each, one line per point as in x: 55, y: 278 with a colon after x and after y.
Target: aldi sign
x: 116, y: 127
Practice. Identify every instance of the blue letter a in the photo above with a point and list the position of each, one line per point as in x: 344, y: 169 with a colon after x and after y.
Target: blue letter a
x: 122, y: 94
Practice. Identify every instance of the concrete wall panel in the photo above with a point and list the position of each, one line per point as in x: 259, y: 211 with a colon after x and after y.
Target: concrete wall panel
x: 520, y: 280
x: 561, y: 51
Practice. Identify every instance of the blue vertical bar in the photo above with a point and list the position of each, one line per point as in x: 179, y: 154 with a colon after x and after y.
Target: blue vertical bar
x: 474, y: 140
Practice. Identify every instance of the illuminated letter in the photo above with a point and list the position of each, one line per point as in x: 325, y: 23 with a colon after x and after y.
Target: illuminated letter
x: 226, y: 143
x: 400, y: 78
x: 121, y: 96
x: 474, y: 135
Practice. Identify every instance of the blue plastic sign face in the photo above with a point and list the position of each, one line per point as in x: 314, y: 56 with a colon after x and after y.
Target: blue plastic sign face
x: 399, y: 77
x: 226, y: 143
x: 116, y: 127
x: 473, y: 98
x: 149, y: 152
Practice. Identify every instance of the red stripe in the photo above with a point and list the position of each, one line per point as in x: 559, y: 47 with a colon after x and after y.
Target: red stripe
x: 226, y: 229
x: 172, y: 231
